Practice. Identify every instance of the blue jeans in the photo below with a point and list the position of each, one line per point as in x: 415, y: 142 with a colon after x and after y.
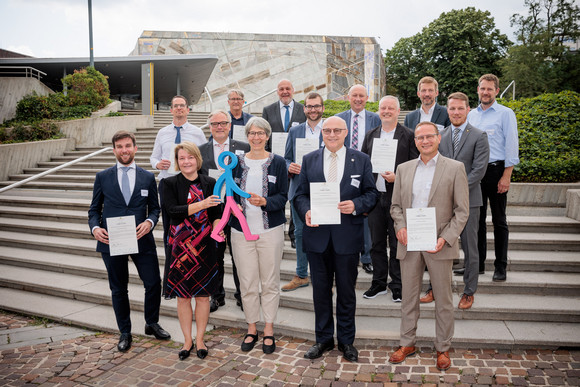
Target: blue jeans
x: 301, y: 259
x: 365, y: 256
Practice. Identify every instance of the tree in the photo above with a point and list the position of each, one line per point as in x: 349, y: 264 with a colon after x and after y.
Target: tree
x: 456, y: 49
x: 542, y: 62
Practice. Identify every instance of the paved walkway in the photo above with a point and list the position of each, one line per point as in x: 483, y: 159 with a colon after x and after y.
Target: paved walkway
x: 37, y: 352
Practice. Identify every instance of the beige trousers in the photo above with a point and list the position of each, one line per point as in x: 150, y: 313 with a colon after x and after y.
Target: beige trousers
x: 258, y: 265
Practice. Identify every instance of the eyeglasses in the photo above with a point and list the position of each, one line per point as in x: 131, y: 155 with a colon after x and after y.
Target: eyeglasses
x: 223, y: 124
x: 310, y: 107
x: 179, y: 105
x: 332, y: 130
x: 427, y: 137
x: 256, y: 134
x: 236, y: 99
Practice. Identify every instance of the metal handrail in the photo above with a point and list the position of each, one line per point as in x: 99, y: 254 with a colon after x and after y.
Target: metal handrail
x: 48, y: 172
x: 28, y: 71
x: 507, y: 88
x: 259, y: 98
x: 210, y: 99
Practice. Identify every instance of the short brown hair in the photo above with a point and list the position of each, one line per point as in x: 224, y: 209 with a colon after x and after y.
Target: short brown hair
x: 312, y: 96
x: 191, y: 149
x: 180, y: 96
x: 489, y: 78
x: 427, y: 80
x: 460, y: 96
x: 427, y: 123
x: 121, y: 134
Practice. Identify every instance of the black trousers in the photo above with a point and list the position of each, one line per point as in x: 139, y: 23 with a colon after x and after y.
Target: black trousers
x: 118, y: 272
x: 382, y: 229
x: 497, y: 204
x: 220, y: 293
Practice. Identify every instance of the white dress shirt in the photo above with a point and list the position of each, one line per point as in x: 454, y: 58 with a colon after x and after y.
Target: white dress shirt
x: 217, y: 150
x: 426, y: 116
x: 341, y: 157
x: 283, y: 112
x: 423, y: 181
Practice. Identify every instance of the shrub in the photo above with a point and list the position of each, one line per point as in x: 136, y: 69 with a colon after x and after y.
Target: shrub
x: 87, y: 86
x: 549, y: 136
x: 332, y: 107
x: 35, y: 131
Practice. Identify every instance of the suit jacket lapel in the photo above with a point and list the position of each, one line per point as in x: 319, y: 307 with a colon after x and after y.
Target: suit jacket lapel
x: 462, y: 140
x: 437, y: 176
x: 115, y: 182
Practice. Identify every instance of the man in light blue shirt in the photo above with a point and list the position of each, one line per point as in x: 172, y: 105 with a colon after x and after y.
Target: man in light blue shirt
x: 499, y: 122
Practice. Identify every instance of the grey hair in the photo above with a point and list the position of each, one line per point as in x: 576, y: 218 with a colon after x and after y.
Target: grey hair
x: 218, y: 111
x: 259, y: 123
x: 237, y: 91
x: 390, y: 97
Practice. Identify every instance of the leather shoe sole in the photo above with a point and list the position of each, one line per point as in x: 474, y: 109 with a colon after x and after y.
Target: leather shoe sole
x: 349, y: 352
x: 459, y: 271
x: 318, y: 349
x: 401, y: 354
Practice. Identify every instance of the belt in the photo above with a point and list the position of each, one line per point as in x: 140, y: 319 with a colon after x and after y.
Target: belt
x: 499, y: 163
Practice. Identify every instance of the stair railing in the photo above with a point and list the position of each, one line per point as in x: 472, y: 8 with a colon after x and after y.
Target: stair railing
x: 507, y: 88
x: 259, y: 98
x: 52, y: 170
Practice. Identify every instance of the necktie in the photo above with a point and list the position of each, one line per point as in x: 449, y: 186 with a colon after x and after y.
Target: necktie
x: 455, y: 140
x: 332, y: 169
x: 178, y: 135
x: 287, y: 118
x: 125, y: 187
x: 354, y: 142
x: 222, y: 147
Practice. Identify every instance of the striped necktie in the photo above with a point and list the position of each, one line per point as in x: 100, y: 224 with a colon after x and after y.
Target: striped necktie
x: 354, y: 141
x: 333, y: 167
x: 455, y: 140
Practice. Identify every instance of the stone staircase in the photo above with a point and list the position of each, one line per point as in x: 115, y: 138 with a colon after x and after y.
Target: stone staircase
x: 49, y: 268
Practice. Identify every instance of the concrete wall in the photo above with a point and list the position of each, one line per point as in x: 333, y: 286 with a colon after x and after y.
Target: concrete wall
x: 12, y: 89
x: 573, y: 204
x: 540, y: 194
x: 100, y: 130
x: 15, y: 157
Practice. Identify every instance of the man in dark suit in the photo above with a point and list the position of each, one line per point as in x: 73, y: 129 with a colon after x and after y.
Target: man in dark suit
x: 220, y: 125
x: 359, y: 122
x: 333, y: 250
x: 239, y: 118
x: 430, y: 182
x: 127, y: 190
x: 380, y: 221
x: 430, y: 110
x: 463, y: 142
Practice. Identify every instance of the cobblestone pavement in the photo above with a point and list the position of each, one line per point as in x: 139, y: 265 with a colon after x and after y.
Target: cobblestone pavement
x: 94, y: 361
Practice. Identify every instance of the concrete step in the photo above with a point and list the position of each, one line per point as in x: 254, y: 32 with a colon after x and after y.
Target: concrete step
x: 58, y: 296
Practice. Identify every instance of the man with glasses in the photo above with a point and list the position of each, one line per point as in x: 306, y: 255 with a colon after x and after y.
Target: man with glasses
x: 333, y: 249
x: 239, y: 118
x: 162, y: 157
x: 430, y: 182
x: 220, y: 125
x: 313, y: 108
x: 359, y: 122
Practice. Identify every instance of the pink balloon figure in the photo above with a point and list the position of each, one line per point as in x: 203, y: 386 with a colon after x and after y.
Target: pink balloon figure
x: 231, y: 205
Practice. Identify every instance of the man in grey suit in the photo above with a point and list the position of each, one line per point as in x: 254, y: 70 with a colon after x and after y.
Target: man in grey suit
x: 432, y: 181
x: 358, y: 117
x: 219, y: 122
x: 285, y: 113
x: 463, y: 142
x: 430, y: 110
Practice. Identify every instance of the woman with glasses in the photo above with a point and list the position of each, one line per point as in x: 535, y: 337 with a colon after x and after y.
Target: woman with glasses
x: 263, y: 175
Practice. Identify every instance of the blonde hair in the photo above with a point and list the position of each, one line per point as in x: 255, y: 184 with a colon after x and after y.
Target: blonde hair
x: 191, y: 149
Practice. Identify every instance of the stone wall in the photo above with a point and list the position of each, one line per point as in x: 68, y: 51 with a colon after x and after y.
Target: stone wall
x: 12, y: 89
x: 255, y: 63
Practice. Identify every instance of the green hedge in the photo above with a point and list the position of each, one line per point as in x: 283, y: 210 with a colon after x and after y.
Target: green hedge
x: 549, y: 135
x: 332, y: 107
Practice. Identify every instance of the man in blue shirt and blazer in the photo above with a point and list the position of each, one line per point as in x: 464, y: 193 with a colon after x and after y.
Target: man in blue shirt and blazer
x: 430, y: 110
x: 128, y: 190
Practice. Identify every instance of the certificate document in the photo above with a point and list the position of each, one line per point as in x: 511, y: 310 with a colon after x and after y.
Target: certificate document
x: 324, y: 199
x: 384, y: 153
x: 216, y: 173
x: 122, y: 235
x: 279, y: 143
x: 305, y: 146
x: 171, y: 157
x: 421, y: 229
x: 239, y: 133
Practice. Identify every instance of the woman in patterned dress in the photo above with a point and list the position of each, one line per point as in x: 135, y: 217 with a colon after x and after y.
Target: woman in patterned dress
x: 192, y: 268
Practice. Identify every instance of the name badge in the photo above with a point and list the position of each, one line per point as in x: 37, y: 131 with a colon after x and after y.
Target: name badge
x: 272, y: 179
x: 144, y: 193
x: 295, y: 123
x: 355, y: 183
x: 240, y: 152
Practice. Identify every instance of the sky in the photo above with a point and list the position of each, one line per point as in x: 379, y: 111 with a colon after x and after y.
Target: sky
x: 59, y: 28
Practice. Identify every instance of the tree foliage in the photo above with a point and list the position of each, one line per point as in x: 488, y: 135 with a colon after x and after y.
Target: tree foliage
x: 87, y: 86
x: 541, y: 62
x: 456, y: 49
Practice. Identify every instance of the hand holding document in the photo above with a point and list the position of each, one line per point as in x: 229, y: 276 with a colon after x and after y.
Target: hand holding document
x: 421, y: 229
x: 384, y: 154
x: 122, y: 235
x: 324, y: 199
x: 305, y: 146
x: 171, y: 157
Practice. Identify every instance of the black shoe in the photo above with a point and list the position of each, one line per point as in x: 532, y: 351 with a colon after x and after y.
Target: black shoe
x: 368, y: 268
x: 246, y: 347
x: 155, y: 329
x: 349, y: 352
x: 459, y: 271
x: 375, y: 291
x: 293, y: 243
x: 239, y: 303
x: 318, y: 349
x: 124, y: 342
x: 268, y: 349
x: 397, y: 296
x: 184, y: 353
x: 499, y: 276
x: 214, y: 304
x: 201, y: 353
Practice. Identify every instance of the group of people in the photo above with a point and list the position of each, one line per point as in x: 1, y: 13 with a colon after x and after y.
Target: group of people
x: 450, y: 159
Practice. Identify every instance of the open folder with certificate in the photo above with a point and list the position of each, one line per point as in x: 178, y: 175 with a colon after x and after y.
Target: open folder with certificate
x: 122, y: 232
x: 421, y: 229
x: 324, y: 199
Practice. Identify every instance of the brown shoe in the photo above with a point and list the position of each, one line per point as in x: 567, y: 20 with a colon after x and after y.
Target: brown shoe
x: 465, y: 302
x: 401, y: 354
x: 296, y: 283
x: 443, y: 361
x: 428, y: 297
